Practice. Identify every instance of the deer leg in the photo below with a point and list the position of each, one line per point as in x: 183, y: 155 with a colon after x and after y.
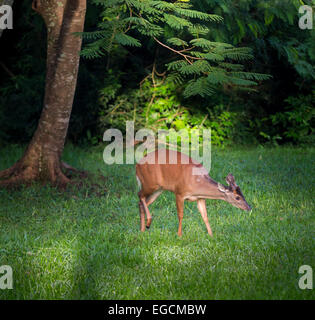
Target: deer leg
x: 142, y: 216
x: 144, y: 208
x: 201, y: 204
x: 149, y: 200
x: 144, y: 202
x: 180, y: 213
x: 147, y: 212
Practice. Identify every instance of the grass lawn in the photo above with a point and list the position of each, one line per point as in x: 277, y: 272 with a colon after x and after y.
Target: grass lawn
x: 65, y: 245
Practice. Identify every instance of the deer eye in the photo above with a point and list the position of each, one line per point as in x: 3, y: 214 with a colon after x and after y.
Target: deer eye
x: 237, y: 198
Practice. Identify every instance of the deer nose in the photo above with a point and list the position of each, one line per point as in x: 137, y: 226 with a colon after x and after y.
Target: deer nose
x: 249, y: 208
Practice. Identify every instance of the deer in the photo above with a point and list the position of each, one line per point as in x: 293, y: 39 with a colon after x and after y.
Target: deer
x: 154, y: 178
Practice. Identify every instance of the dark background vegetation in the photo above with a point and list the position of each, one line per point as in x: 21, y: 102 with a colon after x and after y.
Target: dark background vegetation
x: 110, y: 89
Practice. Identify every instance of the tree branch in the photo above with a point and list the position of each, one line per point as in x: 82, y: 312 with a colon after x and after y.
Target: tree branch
x: 10, y: 73
x: 180, y: 52
x: 36, y: 5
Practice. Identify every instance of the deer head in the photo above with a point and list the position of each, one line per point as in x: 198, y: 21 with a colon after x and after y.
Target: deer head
x: 233, y: 194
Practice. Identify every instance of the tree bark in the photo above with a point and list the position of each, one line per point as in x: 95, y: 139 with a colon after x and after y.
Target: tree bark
x: 41, y: 160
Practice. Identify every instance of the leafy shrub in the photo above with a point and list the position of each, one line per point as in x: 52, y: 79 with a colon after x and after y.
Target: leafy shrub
x: 298, y: 119
x: 158, y: 106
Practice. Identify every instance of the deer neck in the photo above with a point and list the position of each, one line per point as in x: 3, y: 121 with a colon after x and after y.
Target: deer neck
x: 209, y: 189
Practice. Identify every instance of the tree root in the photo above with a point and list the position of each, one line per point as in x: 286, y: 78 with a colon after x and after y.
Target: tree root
x: 76, y: 182
x: 60, y: 174
x: 68, y: 167
x: 7, y: 172
x: 15, y: 176
x: 69, y: 170
x: 24, y: 175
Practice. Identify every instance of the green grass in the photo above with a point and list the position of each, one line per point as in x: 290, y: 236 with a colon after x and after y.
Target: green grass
x: 78, y: 246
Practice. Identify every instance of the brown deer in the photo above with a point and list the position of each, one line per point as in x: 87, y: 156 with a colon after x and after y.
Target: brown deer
x: 154, y: 178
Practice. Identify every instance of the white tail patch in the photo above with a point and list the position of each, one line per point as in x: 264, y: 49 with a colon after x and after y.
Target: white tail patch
x: 139, y: 182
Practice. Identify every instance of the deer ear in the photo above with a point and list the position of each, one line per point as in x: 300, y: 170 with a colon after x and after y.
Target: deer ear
x: 231, y: 181
x: 221, y: 187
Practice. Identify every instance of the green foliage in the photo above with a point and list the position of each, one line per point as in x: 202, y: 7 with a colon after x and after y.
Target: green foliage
x: 223, y: 125
x: 298, y: 119
x: 198, y: 86
x: 154, y: 19
x: 22, y: 76
x: 200, y: 57
x: 146, y: 106
x: 265, y: 25
x: 280, y: 48
x: 126, y: 40
x: 295, y: 124
x: 158, y: 106
x: 25, y: 95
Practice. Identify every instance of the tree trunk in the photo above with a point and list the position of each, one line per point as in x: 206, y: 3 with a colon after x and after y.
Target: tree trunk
x: 41, y: 160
